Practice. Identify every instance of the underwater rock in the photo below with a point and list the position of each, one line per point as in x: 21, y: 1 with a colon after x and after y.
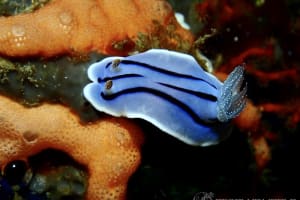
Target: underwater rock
x: 60, y: 80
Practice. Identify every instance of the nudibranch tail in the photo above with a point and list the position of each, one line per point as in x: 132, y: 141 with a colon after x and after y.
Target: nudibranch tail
x: 233, y: 98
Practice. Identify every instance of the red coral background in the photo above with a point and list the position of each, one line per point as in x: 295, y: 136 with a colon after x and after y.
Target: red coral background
x: 260, y: 158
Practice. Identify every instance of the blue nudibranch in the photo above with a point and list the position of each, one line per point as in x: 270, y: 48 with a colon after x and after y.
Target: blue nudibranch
x: 169, y: 90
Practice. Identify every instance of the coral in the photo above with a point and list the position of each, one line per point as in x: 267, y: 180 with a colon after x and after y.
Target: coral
x: 68, y: 27
x: 271, y: 116
x: 251, y: 119
x: 259, y: 157
x: 220, y: 12
x: 270, y: 63
x: 109, y: 148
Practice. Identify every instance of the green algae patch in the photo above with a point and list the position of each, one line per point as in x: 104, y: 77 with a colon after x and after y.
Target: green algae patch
x: 14, y: 7
x: 161, y: 38
x: 60, y: 80
x: 5, y: 67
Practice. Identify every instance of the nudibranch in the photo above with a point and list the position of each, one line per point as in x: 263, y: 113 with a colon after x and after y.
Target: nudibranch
x: 169, y: 90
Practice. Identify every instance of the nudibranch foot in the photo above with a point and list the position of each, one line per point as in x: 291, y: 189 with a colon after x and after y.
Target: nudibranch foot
x: 233, y: 98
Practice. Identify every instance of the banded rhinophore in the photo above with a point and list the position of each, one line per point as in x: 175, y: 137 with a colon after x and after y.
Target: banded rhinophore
x: 169, y: 90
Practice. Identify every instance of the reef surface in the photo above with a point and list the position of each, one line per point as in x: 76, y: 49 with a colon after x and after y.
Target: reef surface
x: 258, y: 159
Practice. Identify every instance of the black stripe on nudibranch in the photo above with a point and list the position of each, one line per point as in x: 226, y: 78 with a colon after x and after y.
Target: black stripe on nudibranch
x: 163, y: 95
x: 202, y: 95
x: 119, y: 77
x: 160, y: 70
x: 107, y: 65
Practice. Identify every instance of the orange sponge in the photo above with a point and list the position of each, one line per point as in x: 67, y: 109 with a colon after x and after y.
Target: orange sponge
x: 109, y: 148
x: 82, y: 26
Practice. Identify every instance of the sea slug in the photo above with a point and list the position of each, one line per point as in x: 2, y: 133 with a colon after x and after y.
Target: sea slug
x: 169, y: 90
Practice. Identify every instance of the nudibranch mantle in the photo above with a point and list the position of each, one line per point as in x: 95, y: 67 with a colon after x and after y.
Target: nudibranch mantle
x: 169, y: 90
